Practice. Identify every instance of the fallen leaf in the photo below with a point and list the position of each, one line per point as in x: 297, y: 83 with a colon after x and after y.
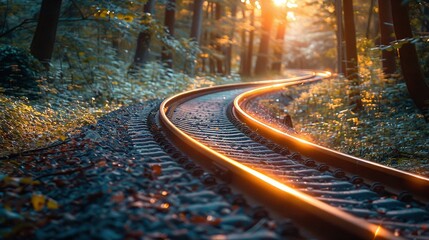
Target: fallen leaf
x: 52, y: 204
x: 119, y: 197
x: 38, y: 201
x: 156, y: 169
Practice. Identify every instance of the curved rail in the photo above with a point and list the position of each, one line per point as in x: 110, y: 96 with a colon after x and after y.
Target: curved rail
x: 418, y: 186
x: 331, y: 222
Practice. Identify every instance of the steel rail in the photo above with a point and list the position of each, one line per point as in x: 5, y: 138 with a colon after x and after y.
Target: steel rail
x: 319, y: 217
x: 398, y: 181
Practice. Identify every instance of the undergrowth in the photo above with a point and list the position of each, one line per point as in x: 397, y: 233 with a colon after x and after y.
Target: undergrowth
x: 388, y: 128
x: 65, y: 106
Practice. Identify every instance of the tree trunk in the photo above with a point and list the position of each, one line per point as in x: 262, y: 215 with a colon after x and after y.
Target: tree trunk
x: 386, y: 36
x: 417, y: 87
x: 219, y: 48
x: 247, y: 64
x: 278, y: 50
x: 143, y: 41
x: 43, y: 42
x: 169, y: 21
x: 228, y: 57
x: 262, y: 61
x: 340, y: 52
x: 368, y: 24
x: 243, y: 55
x: 350, y: 37
x: 197, y: 19
x: 249, y: 61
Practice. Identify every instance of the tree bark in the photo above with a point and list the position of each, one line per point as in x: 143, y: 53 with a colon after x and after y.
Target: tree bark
x: 249, y: 61
x: 143, y: 41
x: 219, y: 48
x: 243, y: 55
x: 262, y: 61
x: 350, y: 37
x: 42, y: 45
x: 278, y: 50
x: 340, y: 52
x: 228, y: 57
x: 169, y: 21
x: 417, y: 87
x: 197, y: 19
x: 386, y: 36
x: 370, y: 13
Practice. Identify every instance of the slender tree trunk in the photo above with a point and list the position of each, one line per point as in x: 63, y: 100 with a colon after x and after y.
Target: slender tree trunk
x: 219, y: 11
x: 249, y: 62
x: 278, y: 50
x: 143, y: 41
x: 243, y: 55
x: 228, y: 57
x: 197, y: 19
x: 169, y: 21
x: 350, y: 37
x: 370, y: 13
x: 262, y: 61
x: 340, y: 52
x: 386, y: 35
x: 43, y: 42
x: 417, y: 87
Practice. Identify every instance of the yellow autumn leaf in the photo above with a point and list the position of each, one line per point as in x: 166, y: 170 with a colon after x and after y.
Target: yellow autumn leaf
x: 120, y: 16
x: 52, y: 204
x: 128, y: 18
x: 38, y: 201
x: 26, y: 180
x: 63, y: 138
x: 115, y: 83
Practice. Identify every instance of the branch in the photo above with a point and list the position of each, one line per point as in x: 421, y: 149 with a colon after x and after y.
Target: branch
x: 29, y: 152
x: 17, y: 26
x: 78, y: 8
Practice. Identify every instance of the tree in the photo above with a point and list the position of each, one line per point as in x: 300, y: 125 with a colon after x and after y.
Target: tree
x: 416, y: 84
x: 278, y: 50
x: 340, y: 32
x: 386, y: 36
x: 249, y: 62
x: 350, y: 37
x: 169, y: 21
x: 143, y: 41
x: 219, y: 12
x: 197, y: 18
x: 262, y: 61
x: 43, y: 42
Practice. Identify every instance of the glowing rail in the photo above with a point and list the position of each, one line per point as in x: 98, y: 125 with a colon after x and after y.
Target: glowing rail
x: 398, y: 180
x: 326, y: 220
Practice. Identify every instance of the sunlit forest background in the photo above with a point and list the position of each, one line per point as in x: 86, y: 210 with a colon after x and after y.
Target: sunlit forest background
x: 86, y: 58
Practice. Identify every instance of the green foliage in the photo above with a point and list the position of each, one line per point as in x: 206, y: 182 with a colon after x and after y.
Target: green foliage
x: 19, y: 71
x: 389, y: 127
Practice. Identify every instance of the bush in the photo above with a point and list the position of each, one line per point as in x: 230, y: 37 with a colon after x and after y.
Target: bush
x: 19, y: 72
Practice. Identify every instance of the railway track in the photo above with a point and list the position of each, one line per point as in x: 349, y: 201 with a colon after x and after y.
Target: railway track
x: 332, y: 195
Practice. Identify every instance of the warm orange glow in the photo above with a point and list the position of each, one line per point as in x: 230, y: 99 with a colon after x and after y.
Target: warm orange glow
x: 285, y: 3
x: 290, y: 16
x: 280, y: 2
x: 258, y: 5
x: 377, y: 231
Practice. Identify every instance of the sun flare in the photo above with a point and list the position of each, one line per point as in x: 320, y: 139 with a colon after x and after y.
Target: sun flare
x: 285, y: 3
x: 280, y: 2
